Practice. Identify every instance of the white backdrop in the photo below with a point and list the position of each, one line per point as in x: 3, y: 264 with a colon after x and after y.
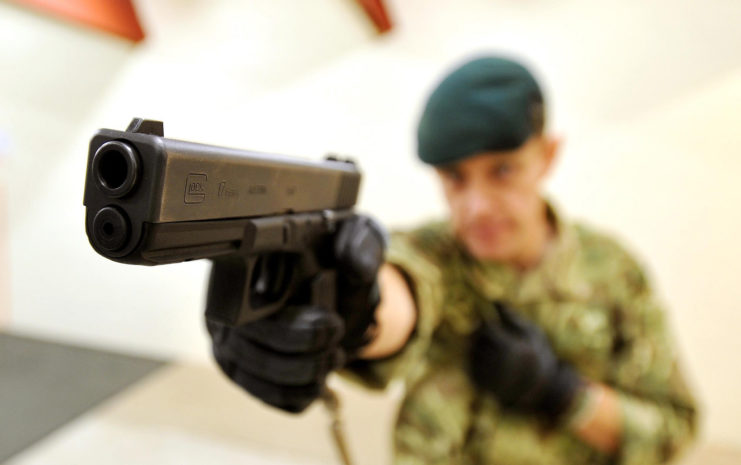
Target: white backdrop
x: 647, y: 96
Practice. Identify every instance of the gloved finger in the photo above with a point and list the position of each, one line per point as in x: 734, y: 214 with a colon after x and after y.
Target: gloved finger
x: 492, y: 345
x: 277, y: 367
x: 295, y: 329
x: 360, y: 245
x: 488, y: 352
x: 490, y: 363
x: 511, y: 320
x: 217, y: 331
x: 492, y: 333
x: 292, y: 399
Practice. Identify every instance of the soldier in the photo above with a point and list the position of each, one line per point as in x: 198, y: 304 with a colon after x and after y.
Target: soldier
x: 522, y: 338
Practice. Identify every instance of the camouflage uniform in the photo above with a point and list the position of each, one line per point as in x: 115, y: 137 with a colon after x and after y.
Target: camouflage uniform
x: 594, y: 304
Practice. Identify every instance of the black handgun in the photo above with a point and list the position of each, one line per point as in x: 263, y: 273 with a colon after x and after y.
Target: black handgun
x: 266, y: 221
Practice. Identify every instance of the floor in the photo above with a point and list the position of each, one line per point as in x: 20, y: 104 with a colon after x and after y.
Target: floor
x: 44, y: 386
x: 67, y: 405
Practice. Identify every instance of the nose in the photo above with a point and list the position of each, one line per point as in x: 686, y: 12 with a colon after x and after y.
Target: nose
x: 478, y: 204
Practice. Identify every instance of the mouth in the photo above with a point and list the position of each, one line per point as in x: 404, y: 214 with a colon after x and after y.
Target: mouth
x: 488, y: 232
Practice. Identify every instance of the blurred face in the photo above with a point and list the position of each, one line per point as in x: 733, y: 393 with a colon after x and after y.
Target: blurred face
x: 496, y: 208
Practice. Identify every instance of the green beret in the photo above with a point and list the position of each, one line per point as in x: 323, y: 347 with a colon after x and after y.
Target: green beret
x: 487, y: 104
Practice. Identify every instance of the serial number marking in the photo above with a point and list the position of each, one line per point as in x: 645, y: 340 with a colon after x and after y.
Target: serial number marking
x: 257, y: 189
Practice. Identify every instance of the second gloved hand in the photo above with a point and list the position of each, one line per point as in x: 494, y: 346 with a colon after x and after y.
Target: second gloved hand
x: 512, y: 359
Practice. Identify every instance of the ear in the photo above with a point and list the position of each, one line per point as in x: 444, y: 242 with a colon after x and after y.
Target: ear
x: 551, y: 149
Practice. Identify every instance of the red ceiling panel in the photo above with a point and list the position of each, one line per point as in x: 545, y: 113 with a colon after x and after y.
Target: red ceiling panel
x: 377, y: 13
x: 114, y: 16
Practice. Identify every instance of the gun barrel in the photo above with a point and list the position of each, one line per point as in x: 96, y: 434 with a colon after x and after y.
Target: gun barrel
x: 115, y: 168
x: 151, y: 200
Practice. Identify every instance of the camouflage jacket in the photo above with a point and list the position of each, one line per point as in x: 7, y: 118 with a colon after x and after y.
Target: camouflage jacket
x: 595, y: 306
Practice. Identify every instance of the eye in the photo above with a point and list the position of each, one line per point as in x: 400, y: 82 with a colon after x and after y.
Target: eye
x: 502, y: 170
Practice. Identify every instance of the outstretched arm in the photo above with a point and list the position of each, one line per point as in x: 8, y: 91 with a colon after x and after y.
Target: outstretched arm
x: 396, y: 315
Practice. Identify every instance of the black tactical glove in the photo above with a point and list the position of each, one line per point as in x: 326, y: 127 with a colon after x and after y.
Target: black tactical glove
x: 512, y: 359
x: 359, y: 251
x: 284, y: 359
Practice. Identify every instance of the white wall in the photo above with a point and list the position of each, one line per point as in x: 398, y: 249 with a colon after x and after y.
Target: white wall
x: 646, y: 94
x: 4, y: 233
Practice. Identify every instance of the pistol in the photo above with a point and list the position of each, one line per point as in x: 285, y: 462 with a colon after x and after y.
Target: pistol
x: 265, y: 221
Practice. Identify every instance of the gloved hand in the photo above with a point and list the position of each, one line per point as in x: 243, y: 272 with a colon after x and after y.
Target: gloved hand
x: 512, y: 359
x: 359, y: 250
x: 284, y: 359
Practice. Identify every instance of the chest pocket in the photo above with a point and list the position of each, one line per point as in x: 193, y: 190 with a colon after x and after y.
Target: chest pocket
x: 582, y: 333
